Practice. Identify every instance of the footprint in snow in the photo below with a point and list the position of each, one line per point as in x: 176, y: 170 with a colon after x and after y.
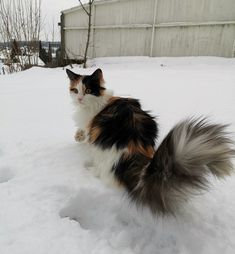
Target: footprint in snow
x: 104, y: 214
x: 94, y: 210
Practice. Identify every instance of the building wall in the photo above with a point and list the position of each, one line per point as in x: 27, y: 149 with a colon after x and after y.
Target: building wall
x: 152, y: 28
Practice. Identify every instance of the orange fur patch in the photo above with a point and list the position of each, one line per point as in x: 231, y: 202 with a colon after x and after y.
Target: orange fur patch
x: 73, y: 83
x: 102, y: 92
x: 113, y: 99
x: 134, y: 148
x: 94, y: 133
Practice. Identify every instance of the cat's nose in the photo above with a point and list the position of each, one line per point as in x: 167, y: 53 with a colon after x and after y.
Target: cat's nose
x: 80, y: 96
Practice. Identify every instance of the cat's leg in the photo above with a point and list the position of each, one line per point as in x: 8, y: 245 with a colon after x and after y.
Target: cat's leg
x: 89, y: 159
x: 92, y: 155
x: 81, y: 136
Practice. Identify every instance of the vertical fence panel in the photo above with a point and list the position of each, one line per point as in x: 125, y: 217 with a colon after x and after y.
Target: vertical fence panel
x: 153, y: 28
x: 195, y: 10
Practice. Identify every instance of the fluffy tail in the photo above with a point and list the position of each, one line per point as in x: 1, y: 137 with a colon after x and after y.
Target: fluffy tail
x: 181, y: 164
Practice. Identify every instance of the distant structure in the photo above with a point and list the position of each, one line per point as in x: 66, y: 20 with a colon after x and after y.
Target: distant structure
x: 151, y: 28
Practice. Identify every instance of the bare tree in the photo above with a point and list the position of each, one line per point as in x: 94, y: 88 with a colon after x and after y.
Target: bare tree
x: 50, y: 31
x: 53, y: 30
x: 88, y: 11
x: 21, y: 20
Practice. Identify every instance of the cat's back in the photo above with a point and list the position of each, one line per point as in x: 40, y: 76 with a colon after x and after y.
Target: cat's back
x: 123, y: 121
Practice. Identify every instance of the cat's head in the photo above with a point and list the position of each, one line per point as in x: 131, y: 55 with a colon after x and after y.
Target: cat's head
x: 85, y: 88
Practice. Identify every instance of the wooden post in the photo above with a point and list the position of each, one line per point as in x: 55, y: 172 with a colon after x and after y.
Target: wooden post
x: 153, y: 28
x: 62, y: 34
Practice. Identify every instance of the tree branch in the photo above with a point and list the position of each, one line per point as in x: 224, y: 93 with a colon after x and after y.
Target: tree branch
x: 84, y: 7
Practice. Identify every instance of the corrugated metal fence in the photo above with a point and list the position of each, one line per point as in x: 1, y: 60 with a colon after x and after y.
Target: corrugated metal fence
x: 152, y: 28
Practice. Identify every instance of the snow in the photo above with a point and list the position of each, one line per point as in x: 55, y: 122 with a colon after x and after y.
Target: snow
x: 49, y: 202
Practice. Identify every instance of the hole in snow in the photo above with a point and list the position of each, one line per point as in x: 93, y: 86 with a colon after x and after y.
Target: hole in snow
x: 93, y: 210
x: 5, y: 174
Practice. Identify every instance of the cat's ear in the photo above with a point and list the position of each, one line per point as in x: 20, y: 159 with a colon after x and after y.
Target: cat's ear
x: 98, y: 74
x: 72, y: 76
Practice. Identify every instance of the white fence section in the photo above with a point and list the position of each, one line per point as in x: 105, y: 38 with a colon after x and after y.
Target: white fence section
x: 151, y: 28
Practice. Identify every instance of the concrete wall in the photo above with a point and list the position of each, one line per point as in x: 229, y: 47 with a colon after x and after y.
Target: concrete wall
x: 152, y: 28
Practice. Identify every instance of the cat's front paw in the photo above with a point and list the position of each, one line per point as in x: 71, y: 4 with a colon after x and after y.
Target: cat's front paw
x: 80, y: 135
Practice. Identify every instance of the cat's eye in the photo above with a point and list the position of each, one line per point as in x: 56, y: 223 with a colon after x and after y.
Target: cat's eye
x: 87, y: 91
x: 75, y: 90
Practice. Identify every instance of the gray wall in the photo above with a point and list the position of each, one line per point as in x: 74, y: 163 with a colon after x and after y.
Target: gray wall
x: 152, y: 28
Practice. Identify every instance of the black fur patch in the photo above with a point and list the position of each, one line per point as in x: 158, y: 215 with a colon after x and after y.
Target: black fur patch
x: 128, y: 170
x: 123, y: 121
x: 143, y: 187
x: 93, y: 83
x: 72, y: 76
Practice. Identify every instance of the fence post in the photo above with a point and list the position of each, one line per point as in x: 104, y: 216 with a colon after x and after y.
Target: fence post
x: 62, y: 32
x: 153, y: 28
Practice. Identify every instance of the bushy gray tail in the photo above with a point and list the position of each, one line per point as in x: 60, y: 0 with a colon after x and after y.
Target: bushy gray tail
x: 181, y: 164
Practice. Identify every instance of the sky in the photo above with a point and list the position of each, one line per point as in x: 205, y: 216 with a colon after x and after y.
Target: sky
x: 51, y: 11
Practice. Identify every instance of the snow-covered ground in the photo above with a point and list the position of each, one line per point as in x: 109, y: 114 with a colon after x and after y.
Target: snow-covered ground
x: 50, y: 204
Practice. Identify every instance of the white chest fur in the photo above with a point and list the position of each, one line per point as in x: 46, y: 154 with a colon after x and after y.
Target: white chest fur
x: 102, y: 160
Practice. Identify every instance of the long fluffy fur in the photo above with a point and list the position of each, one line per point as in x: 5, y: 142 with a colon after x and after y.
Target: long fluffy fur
x: 121, y: 137
x: 180, y: 166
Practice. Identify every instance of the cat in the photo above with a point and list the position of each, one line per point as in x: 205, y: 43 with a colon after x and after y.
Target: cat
x: 122, y: 137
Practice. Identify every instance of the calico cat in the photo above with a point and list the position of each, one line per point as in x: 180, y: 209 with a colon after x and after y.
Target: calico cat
x: 122, y: 139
